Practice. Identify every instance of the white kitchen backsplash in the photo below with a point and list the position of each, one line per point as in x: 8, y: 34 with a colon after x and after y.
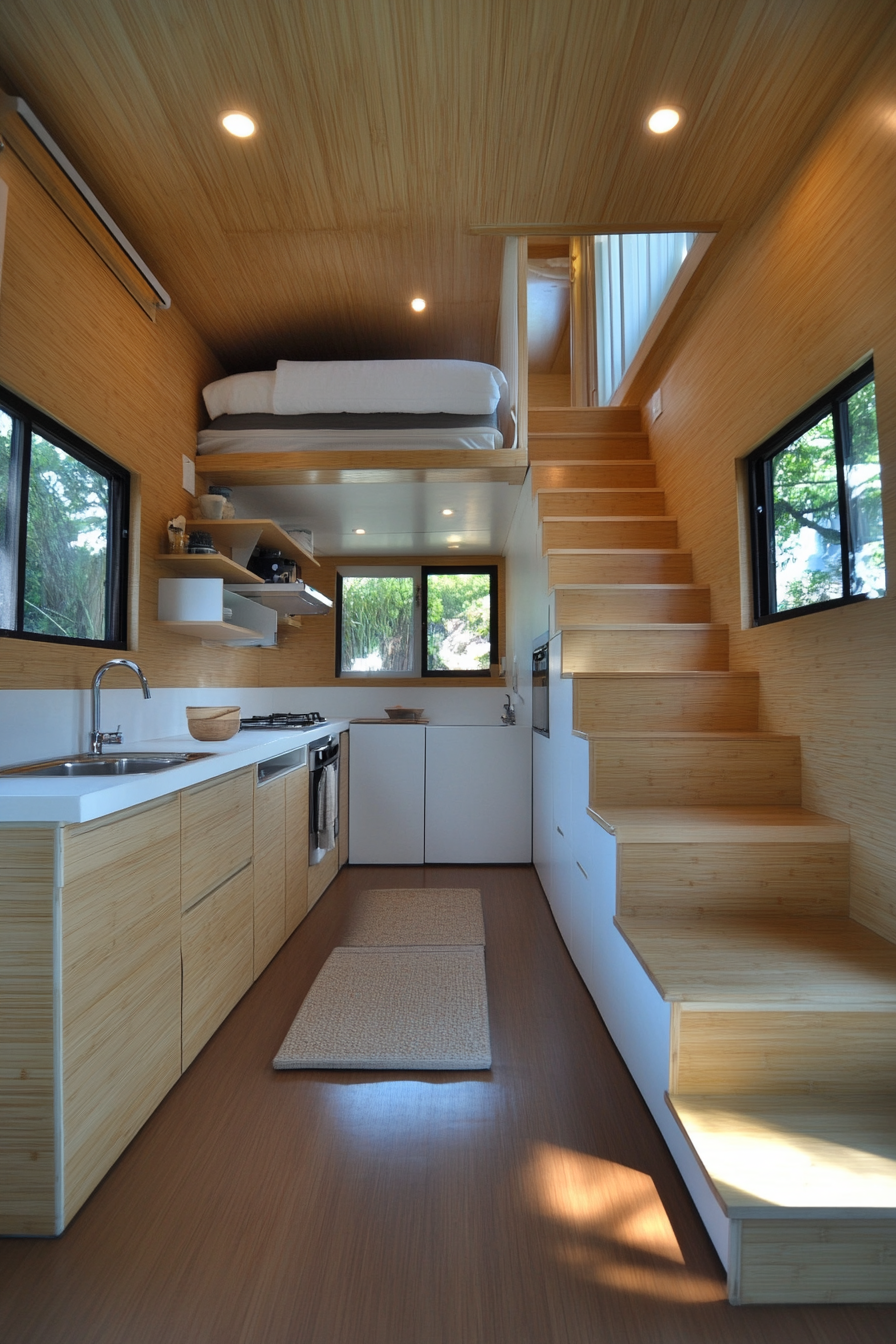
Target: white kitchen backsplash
x: 36, y: 724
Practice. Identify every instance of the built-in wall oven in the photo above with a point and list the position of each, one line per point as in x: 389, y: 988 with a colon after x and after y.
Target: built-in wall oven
x: 323, y: 797
x: 540, y: 708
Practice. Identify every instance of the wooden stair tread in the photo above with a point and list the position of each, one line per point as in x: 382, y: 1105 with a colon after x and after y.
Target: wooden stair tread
x: 744, y: 962
x: 672, y: 626
x: 718, y: 825
x: 794, y: 1156
x: 641, y: 587
x: 662, y: 735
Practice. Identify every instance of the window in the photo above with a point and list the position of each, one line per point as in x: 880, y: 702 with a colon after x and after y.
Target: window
x: 815, y: 506
x: 434, y: 621
x: 63, y: 533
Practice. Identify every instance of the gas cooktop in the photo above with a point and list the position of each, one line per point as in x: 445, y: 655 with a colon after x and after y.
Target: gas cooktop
x: 275, y: 721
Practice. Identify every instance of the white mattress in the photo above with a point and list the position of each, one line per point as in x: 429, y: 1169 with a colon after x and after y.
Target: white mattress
x: 371, y: 386
x: 321, y: 440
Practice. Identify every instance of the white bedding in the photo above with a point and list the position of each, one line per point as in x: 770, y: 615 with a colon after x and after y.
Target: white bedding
x: 322, y: 440
x: 409, y: 386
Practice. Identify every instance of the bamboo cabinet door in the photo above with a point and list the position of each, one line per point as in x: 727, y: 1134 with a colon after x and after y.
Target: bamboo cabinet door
x: 121, y: 984
x: 296, y: 834
x: 270, y: 870
x: 217, y: 952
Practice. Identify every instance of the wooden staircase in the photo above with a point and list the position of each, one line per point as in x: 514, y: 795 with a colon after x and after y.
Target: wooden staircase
x: 734, y: 899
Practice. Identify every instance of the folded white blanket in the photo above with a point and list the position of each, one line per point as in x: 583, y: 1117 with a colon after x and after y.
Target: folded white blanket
x: 412, y: 386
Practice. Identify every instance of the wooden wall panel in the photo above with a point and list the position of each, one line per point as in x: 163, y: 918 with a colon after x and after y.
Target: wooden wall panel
x: 27, y: 1146
x: 810, y: 291
x: 74, y: 342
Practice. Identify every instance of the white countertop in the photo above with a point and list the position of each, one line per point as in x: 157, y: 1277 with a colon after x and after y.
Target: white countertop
x: 26, y: 799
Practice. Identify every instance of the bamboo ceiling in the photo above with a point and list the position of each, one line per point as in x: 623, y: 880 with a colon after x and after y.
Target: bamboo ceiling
x: 390, y: 130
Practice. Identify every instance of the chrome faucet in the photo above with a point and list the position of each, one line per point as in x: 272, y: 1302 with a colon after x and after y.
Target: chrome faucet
x: 508, y: 716
x: 98, y: 739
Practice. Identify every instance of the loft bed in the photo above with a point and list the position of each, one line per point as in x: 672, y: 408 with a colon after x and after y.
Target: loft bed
x: 367, y: 421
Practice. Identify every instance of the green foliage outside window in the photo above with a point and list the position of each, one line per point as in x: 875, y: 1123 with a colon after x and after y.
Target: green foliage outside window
x: 65, y: 556
x: 458, y: 617
x: 378, y: 624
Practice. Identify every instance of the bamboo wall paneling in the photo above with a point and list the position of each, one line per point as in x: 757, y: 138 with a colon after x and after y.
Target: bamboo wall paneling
x: 217, y: 954
x: 74, y: 343
x: 216, y: 820
x: 270, y: 871
x: 795, y: 309
x: 27, y: 1137
x: 296, y: 846
x: 121, y: 979
x: 843, y: 1261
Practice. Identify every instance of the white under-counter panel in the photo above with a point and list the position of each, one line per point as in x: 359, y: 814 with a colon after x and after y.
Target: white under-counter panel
x: 478, y: 795
x: 386, y: 784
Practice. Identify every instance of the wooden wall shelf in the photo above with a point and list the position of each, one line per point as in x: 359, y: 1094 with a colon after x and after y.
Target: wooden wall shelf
x: 185, y: 566
x: 242, y: 535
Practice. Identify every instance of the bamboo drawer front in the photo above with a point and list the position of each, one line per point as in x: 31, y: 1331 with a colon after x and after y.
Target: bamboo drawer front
x: 217, y: 953
x: 216, y: 822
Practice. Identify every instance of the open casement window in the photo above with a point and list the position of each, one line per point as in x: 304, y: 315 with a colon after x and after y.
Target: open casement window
x: 434, y: 621
x: 63, y: 533
x: 815, y: 506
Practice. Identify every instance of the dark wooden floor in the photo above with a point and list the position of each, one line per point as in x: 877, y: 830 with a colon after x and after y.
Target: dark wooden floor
x: 534, y: 1204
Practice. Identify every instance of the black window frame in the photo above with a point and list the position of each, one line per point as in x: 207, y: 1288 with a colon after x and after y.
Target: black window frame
x: 421, y: 598
x: 492, y: 571
x: 834, y: 402
x: 26, y: 420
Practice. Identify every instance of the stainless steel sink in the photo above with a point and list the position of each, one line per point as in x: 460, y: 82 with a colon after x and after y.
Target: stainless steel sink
x: 108, y: 767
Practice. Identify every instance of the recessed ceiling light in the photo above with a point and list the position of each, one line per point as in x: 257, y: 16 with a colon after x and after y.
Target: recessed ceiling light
x: 664, y: 119
x: 360, y: 531
x: 447, y: 513
x: 418, y: 305
x: 238, y: 124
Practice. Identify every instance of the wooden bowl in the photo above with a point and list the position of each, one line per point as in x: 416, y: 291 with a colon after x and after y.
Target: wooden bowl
x: 213, y: 723
x: 399, y: 712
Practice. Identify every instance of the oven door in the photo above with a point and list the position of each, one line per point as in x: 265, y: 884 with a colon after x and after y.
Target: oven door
x: 323, y: 798
x: 540, y: 710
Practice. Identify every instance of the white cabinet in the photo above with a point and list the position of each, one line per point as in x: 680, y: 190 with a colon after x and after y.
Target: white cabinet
x: 478, y: 795
x: 386, y: 790
x: 440, y: 795
x: 542, y: 807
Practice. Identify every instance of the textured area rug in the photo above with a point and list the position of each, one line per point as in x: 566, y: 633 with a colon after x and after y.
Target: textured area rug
x: 417, y: 917
x: 393, y: 1008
